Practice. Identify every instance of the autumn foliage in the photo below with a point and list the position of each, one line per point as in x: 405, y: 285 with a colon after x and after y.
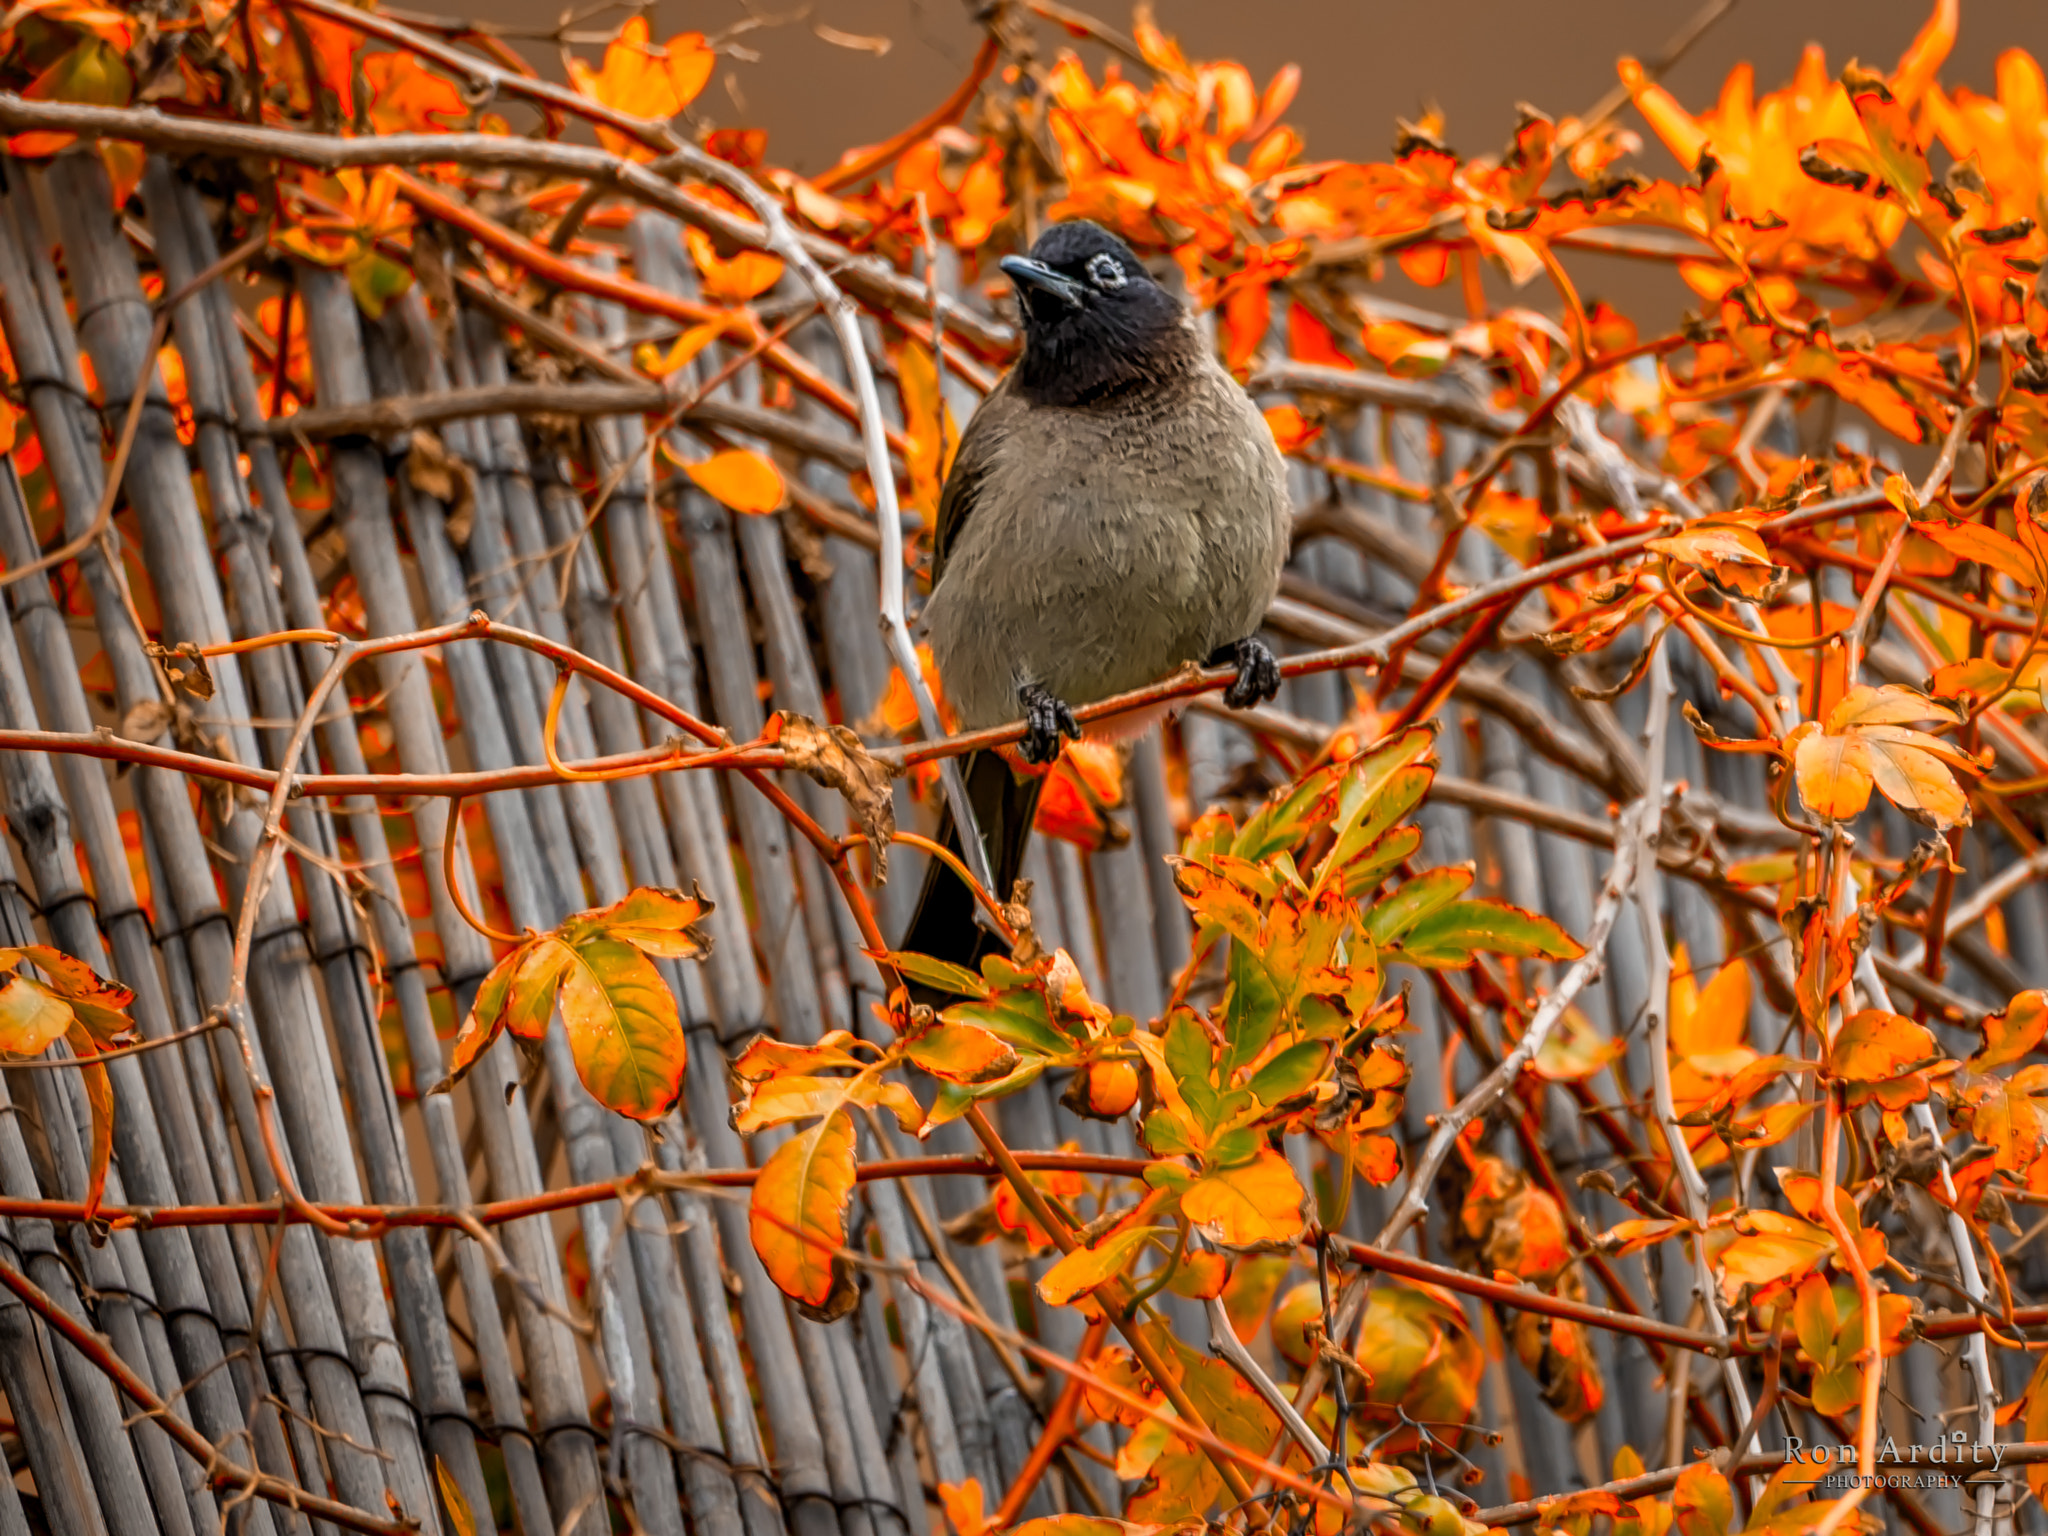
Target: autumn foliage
x: 1344, y: 1263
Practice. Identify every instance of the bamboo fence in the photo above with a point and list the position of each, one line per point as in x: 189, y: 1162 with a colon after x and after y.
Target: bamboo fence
x: 563, y: 1364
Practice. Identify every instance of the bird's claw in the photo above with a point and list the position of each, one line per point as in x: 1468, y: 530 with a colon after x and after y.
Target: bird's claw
x: 1047, y: 719
x: 1258, y: 673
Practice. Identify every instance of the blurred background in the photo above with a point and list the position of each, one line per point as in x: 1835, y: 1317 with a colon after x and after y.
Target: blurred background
x: 825, y: 76
x: 1364, y: 62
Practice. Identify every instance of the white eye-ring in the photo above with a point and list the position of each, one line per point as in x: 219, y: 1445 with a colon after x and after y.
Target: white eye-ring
x: 1106, y: 272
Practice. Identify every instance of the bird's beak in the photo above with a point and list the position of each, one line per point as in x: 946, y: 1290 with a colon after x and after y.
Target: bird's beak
x: 1028, y: 274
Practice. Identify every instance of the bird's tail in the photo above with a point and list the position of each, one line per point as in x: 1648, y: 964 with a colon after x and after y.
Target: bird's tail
x: 944, y: 925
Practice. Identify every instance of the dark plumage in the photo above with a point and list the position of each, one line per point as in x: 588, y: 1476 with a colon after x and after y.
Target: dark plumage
x: 1117, y: 508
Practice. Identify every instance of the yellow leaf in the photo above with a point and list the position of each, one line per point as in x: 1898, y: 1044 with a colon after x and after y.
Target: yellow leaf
x: 780, y: 1100
x: 1086, y: 1268
x: 461, y: 1518
x: 1255, y: 1205
x: 683, y: 351
x: 740, y: 479
x: 31, y: 1016
x: 797, y: 1218
x: 624, y: 1029
x: 962, y: 1053
x: 1833, y: 771
x: 658, y: 922
x: 1771, y: 1246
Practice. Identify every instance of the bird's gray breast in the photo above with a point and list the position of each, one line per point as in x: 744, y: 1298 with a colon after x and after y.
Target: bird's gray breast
x: 1106, y: 547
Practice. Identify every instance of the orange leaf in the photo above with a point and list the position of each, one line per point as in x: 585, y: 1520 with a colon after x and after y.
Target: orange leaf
x: 741, y: 479
x: 1874, y: 1047
x: 1257, y: 1205
x: 797, y: 1218
x: 99, y: 1094
x: 1291, y: 429
x: 963, y: 1504
x: 1987, y: 547
x: 743, y: 277
x: 689, y: 62
x: 962, y: 1053
x: 2010, y: 1035
x: 1833, y: 771
x: 658, y: 922
x: 31, y: 1016
x: 1086, y: 1268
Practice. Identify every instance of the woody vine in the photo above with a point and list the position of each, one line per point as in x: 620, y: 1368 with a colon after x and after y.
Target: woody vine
x: 1386, y: 1168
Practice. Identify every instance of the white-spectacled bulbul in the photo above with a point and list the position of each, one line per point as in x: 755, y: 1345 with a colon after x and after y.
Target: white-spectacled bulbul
x: 1117, y: 508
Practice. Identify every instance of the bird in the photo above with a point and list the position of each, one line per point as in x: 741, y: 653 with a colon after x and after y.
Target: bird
x: 1117, y: 508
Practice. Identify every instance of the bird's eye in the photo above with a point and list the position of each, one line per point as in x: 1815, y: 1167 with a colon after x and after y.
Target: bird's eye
x: 1106, y: 272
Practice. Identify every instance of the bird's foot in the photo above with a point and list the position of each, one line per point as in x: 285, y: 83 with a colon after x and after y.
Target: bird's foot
x: 1258, y: 672
x: 1047, y: 719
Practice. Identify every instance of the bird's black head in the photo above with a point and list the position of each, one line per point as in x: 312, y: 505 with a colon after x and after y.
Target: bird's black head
x: 1094, y: 320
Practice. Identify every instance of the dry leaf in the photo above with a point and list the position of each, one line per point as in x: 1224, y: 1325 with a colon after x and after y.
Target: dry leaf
x: 147, y: 721
x: 834, y: 756
x: 431, y: 468
x: 185, y: 666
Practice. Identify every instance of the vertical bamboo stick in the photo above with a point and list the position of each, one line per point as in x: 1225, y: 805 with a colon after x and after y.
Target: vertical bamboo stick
x: 351, y: 1011
x: 364, y: 515
x: 116, y: 327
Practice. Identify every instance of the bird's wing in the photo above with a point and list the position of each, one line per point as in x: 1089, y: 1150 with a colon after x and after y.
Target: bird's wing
x: 971, y: 465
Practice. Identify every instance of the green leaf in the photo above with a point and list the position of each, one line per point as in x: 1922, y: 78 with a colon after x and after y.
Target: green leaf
x: 1286, y: 816
x: 1369, y: 801
x: 1251, y: 1012
x: 1289, y: 1073
x: 1018, y: 1019
x: 1450, y: 935
x: 1372, y: 866
x: 1406, y: 907
x: 376, y: 280
x: 940, y: 974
